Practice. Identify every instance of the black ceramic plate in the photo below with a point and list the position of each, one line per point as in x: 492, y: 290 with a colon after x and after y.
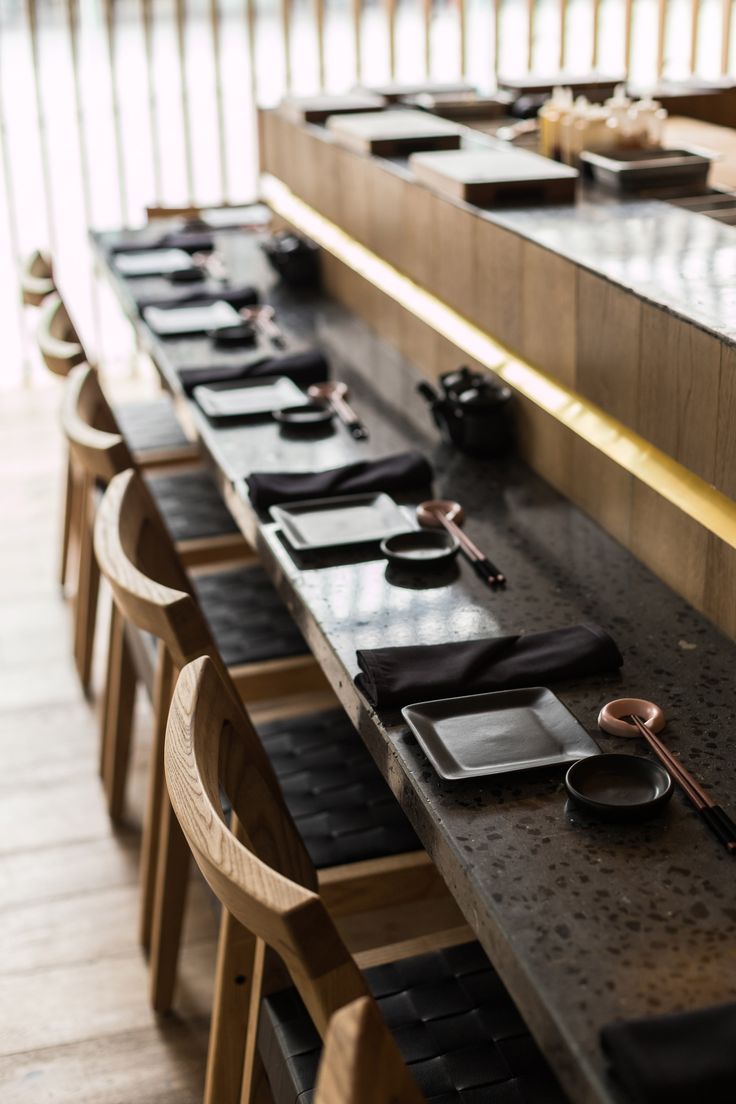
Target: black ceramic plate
x: 345, y: 519
x: 262, y: 395
x: 305, y: 417
x: 621, y: 786
x: 509, y: 730
x: 423, y: 548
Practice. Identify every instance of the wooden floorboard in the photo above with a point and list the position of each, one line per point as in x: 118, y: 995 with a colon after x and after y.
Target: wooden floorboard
x: 75, y: 1022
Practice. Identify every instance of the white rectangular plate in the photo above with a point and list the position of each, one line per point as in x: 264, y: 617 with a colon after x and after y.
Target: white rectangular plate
x: 191, y: 319
x: 259, y: 396
x: 345, y: 519
x: 152, y: 262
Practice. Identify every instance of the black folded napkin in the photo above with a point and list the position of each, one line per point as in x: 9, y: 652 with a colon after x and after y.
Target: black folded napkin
x: 303, y: 369
x: 676, y: 1059
x: 400, y: 472
x: 243, y: 295
x: 391, y: 677
x: 191, y: 241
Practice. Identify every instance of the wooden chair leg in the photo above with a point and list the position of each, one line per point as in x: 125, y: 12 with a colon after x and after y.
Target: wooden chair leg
x: 162, y: 689
x: 172, y: 883
x: 117, y: 716
x: 255, y: 1087
x: 85, y: 603
x: 68, y: 523
x: 230, y: 1010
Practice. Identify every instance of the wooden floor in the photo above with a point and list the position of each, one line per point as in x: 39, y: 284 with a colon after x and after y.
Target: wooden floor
x: 75, y: 1024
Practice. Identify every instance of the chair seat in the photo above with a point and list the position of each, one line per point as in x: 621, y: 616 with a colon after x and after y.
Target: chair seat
x: 152, y: 426
x: 247, y: 618
x: 191, y: 505
x: 455, y: 1024
x: 342, y: 807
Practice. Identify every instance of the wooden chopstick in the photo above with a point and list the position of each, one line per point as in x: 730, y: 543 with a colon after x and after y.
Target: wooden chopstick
x: 483, y: 566
x: 714, y: 816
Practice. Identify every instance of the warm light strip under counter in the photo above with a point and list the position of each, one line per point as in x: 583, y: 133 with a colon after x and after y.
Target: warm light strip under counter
x: 670, y: 479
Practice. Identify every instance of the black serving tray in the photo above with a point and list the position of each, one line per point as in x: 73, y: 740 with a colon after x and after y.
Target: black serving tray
x: 639, y: 169
x: 509, y: 730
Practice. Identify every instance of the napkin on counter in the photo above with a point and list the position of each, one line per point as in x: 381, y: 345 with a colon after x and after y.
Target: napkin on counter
x: 681, y: 1058
x: 393, y: 677
x: 400, y: 472
x: 191, y: 241
x: 199, y: 295
x: 303, y: 369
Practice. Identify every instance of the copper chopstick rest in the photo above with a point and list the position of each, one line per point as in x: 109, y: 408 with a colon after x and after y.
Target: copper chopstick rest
x: 443, y: 512
x: 648, y: 719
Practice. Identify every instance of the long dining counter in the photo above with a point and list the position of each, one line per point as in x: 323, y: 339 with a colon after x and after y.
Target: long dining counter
x: 585, y: 921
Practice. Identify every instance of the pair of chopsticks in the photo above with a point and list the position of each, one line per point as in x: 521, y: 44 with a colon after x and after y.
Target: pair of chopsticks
x: 719, y: 822
x: 480, y: 562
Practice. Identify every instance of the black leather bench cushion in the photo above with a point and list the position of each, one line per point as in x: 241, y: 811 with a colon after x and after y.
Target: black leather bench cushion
x: 151, y: 425
x: 191, y: 505
x: 454, y: 1022
x: 247, y: 618
x: 341, y: 804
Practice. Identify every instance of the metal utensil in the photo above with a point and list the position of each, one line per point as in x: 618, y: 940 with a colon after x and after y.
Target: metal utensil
x: 450, y: 515
x: 646, y: 719
x: 336, y: 394
x: 264, y: 319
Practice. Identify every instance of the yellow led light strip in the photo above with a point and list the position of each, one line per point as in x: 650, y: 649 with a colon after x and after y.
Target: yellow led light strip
x: 688, y: 492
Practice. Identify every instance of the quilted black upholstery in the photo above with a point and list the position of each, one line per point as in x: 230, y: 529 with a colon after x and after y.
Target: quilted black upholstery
x: 191, y: 505
x: 246, y: 616
x: 342, y: 807
x: 151, y: 425
x: 453, y: 1021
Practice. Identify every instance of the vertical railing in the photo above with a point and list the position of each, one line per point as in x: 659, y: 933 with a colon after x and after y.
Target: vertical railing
x: 177, y: 95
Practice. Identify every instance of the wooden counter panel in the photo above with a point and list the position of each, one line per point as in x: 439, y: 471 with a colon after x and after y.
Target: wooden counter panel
x: 548, y: 312
x: 497, y: 264
x: 607, y: 353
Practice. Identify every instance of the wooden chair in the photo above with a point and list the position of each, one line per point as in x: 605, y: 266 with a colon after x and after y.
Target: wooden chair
x: 448, y: 1008
x: 153, y: 593
x: 368, y: 854
x: 97, y: 451
x: 36, y: 278
x: 361, y: 1063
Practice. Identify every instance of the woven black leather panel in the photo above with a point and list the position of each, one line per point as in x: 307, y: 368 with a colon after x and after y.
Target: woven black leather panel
x: 191, y: 505
x: 455, y: 1025
x: 150, y: 425
x: 342, y: 807
x: 246, y: 616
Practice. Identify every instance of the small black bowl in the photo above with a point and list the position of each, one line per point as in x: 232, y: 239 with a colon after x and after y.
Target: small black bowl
x: 619, y: 787
x: 193, y: 275
x: 420, y: 548
x: 309, y: 416
x: 234, y: 337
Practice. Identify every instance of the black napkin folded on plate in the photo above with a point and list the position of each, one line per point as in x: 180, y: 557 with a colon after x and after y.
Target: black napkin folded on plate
x: 400, y: 472
x: 303, y: 369
x: 243, y: 295
x: 191, y: 241
x: 679, y: 1058
x: 393, y: 677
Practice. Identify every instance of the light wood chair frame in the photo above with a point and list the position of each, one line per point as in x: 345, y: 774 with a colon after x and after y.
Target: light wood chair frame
x: 260, y: 870
x: 98, y: 452
x: 37, y: 278
x: 258, y: 867
x: 152, y: 592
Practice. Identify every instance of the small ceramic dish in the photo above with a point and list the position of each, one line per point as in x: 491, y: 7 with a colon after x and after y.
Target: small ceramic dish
x: 423, y: 548
x: 229, y: 337
x: 190, y: 275
x: 309, y: 416
x: 619, y: 787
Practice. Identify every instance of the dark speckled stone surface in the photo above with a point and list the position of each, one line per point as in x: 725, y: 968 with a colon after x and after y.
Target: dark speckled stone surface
x: 585, y: 921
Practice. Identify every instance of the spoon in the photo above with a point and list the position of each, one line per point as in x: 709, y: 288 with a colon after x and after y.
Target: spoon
x: 336, y: 394
x: 648, y: 719
x: 443, y: 512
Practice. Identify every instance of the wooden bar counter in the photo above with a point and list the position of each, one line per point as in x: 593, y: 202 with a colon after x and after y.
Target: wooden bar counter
x: 613, y: 321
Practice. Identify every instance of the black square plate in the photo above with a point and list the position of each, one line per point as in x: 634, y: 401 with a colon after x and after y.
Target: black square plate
x: 345, y: 519
x: 486, y: 734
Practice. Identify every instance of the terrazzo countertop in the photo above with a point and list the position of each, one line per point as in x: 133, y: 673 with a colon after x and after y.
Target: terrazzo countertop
x: 585, y: 921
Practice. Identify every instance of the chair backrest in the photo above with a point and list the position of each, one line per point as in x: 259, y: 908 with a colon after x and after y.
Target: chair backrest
x: 138, y: 558
x: 263, y: 874
x: 58, y: 341
x: 361, y: 1063
x: 90, y: 427
x: 36, y: 278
